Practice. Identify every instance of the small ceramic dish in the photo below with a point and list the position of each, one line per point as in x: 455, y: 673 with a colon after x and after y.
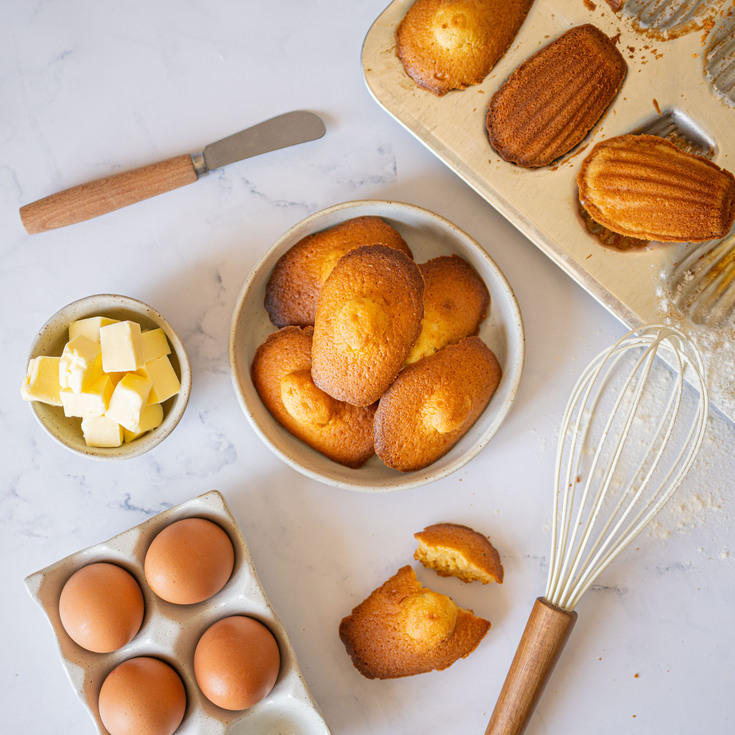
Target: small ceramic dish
x: 428, y: 235
x: 170, y: 632
x: 51, y: 339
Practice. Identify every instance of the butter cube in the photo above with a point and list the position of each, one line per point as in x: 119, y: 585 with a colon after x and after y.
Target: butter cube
x: 163, y: 376
x: 92, y: 401
x: 89, y: 327
x: 155, y: 344
x: 80, y: 364
x: 129, y: 399
x: 151, y: 418
x: 122, y: 347
x: 42, y: 381
x: 99, y: 431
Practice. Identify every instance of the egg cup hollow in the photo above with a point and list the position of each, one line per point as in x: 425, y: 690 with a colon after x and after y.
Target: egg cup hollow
x: 51, y: 339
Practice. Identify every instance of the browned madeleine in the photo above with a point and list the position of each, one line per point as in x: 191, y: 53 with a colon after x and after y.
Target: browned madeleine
x: 455, y: 550
x: 403, y: 628
x: 456, y: 301
x: 643, y: 186
x: 433, y: 403
x: 281, y: 373
x: 452, y: 44
x: 297, y: 278
x: 554, y: 98
x: 367, y: 319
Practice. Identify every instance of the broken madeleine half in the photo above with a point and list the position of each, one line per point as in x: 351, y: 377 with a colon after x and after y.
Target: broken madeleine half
x: 403, y: 628
x: 454, y: 550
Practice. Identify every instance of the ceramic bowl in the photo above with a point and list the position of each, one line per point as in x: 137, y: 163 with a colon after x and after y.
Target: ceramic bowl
x: 51, y: 339
x: 428, y: 235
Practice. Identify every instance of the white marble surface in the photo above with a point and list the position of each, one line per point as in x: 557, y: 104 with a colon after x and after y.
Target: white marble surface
x: 91, y: 88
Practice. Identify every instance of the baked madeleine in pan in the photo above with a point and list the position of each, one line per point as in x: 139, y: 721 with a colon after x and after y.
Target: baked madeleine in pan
x: 643, y: 186
x: 552, y: 100
x: 452, y: 44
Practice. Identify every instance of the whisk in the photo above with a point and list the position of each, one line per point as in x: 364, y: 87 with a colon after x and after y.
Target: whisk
x: 631, y: 430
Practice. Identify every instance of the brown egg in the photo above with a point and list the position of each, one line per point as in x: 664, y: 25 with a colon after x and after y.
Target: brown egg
x: 142, y: 696
x: 236, y: 662
x: 101, y: 607
x: 189, y: 561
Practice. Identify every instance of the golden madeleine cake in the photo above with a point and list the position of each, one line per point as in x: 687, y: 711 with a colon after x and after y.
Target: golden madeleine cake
x: 643, y: 186
x: 297, y: 278
x: 454, y: 550
x: 433, y: 403
x: 403, y: 628
x: 452, y: 44
x: 367, y: 319
x: 552, y: 100
x: 456, y: 301
x: 281, y: 373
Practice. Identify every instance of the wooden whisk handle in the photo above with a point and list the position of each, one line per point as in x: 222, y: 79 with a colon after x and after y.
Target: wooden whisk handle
x: 546, y: 632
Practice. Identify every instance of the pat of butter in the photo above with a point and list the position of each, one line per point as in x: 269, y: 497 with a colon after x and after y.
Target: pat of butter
x: 151, y: 418
x: 100, y: 431
x: 129, y: 399
x: 163, y: 376
x: 80, y: 364
x: 89, y: 327
x: 122, y: 347
x: 155, y: 344
x: 92, y: 401
x: 42, y: 381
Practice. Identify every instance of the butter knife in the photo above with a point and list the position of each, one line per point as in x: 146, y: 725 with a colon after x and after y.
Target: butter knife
x: 94, y: 198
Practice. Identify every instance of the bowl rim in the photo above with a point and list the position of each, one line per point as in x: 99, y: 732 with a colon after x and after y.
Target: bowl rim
x: 403, y: 481
x: 82, y: 308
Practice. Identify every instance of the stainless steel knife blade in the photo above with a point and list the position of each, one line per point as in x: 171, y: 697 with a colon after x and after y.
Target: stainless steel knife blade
x: 95, y: 198
x: 282, y: 131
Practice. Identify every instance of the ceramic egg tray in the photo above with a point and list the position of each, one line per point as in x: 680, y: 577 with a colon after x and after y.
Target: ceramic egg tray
x: 170, y: 632
x: 683, y: 75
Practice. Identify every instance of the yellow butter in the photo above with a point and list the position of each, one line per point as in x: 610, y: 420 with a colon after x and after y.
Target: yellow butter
x: 155, y: 344
x: 89, y: 327
x: 80, y: 364
x: 100, y: 431
x: 150, y: 418
x: 163, y: 376
x: 42, y: 381
x: 128, y: 400
x: 92, y: 401
x: 122, y: 347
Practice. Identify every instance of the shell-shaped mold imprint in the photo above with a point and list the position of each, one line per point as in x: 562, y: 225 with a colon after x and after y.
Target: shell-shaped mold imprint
x: 719, y: 60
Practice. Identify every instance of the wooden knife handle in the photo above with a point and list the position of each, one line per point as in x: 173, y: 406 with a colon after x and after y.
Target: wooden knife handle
x: 546, y: 632
x: 90, y: 200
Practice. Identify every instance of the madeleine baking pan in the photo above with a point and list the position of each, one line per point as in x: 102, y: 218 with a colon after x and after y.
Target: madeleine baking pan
x: 680, y: 60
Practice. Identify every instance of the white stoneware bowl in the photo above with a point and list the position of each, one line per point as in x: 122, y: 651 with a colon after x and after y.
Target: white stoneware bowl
x: 51, y: 339
x: 428, y: 235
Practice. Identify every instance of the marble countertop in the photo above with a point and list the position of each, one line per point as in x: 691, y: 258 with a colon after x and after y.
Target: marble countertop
x: 90, y: 89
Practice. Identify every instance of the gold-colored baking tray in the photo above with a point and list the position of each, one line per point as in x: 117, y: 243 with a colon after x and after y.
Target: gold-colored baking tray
x: 663, y: 75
